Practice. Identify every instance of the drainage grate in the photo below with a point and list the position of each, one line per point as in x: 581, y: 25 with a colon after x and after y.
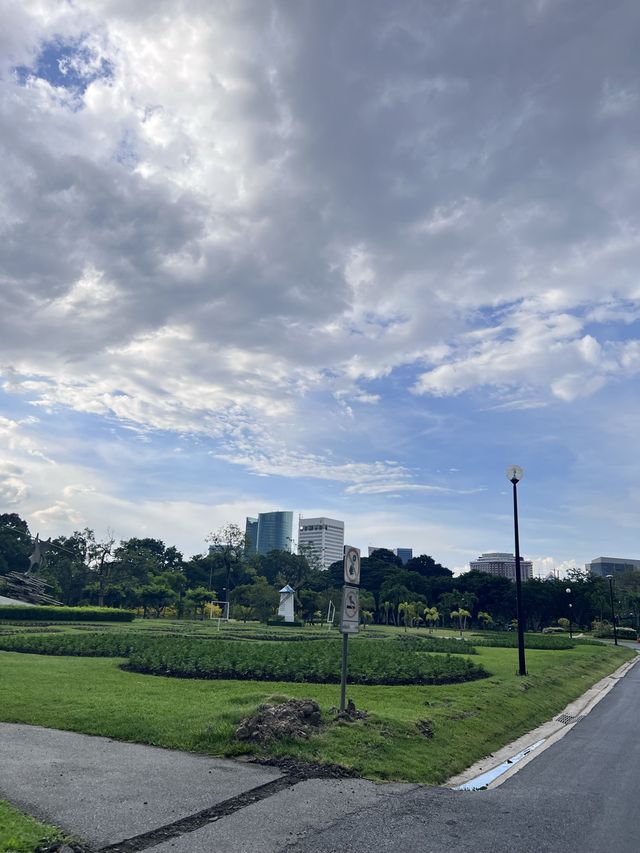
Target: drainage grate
x: 567, y: 718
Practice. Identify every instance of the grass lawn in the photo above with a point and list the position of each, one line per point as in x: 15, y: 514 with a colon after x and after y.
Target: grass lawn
x: 464, y: 721
x: 20, y: 833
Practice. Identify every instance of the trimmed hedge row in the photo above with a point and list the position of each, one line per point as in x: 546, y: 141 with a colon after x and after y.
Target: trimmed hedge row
x: 38, y: 613
x: 623, y: 634
x: 509, y: 640
x: 369, y: 663
x: 449, y: 645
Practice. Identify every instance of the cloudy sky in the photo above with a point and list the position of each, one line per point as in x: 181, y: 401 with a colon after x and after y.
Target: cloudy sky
x: 347, y: 257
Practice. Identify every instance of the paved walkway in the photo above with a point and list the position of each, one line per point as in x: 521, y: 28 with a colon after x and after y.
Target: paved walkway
x: 578, y: 795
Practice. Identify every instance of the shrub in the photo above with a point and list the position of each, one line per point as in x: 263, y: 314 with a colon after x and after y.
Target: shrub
x: 509, y: 640
x: 606, y: 633
x: 39, y: 612
x: 554, y: 630
x: 186, y: 657
x: 279, y: 620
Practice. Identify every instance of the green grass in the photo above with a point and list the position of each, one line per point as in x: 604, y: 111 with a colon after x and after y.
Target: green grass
x: 470, y: 720
x: 20, y: 833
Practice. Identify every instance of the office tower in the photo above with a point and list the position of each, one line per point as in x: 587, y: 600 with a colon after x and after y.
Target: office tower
x: 503, y: 565
x: 275, y: 531
x: 251, y: 536
x: 325, y: 536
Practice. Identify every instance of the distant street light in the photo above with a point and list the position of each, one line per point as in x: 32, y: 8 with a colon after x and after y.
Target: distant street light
x: 613, y: 610
x: 568, y: 591
x: 514, y: 475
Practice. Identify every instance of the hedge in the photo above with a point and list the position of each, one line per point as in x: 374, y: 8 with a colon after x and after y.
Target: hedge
x: 623, y: 634
x: 509, y: 640
x: 369, y: 663
x: 39, y: 613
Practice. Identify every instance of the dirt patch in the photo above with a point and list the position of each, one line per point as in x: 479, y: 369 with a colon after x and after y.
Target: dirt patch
x: 295, y: 718
x: 425, y: 727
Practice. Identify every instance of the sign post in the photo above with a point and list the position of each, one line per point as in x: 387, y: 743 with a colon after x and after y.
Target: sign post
x: 350, y: 613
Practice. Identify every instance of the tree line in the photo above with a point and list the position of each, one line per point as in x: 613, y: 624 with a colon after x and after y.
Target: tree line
x: 156, y: 579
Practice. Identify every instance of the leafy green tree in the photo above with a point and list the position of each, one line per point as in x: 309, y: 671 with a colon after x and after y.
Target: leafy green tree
x: 260, y: 597
x: 229, y: 542
x: 197, y: 599
x: 15, y: 543
x: 461, y: 615
x: 485, y: 619
x: 431, y: 617
x: 427, y: 567
x: 66, y: 567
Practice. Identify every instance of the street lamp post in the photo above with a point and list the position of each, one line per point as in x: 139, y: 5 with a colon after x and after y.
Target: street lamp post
x: 568, y: 591
x: 613, y: 610
x: 514, y: 475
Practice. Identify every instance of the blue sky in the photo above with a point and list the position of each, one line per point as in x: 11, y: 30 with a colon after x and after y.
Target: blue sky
x: 350, y: 259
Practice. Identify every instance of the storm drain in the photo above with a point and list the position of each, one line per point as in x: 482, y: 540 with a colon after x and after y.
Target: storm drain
x: 567, y: 718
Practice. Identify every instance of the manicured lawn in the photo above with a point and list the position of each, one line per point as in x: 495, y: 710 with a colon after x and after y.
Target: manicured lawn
x: 468, y: 721
x: 22, y: 834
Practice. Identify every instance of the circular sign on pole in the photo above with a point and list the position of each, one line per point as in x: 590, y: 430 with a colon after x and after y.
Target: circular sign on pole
x: 351, y: 565
x: 350, y: 617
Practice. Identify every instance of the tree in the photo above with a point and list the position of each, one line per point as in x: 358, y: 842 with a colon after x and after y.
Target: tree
x: 461, y: 615
x: 485, y: 619
x: 99, y: 559
x: 431, y: 617
x: 15, y: 543
x: 229, y: 542
x: 427, y: 567
x: 259, y: 597
x: 66, y: 567
x: 198, y: 598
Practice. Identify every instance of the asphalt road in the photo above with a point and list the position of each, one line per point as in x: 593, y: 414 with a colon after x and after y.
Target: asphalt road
x: 578, y: 796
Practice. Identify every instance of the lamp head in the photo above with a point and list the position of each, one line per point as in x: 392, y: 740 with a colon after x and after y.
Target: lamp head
x: 568, y: 589
x: 514, y: 473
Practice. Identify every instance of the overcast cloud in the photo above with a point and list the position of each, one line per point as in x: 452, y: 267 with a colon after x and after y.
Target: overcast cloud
x: 344, y: 247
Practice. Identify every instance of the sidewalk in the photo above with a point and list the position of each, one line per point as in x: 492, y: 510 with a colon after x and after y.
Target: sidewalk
x: 124, y: 796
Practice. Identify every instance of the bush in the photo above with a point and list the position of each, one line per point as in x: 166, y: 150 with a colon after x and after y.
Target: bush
x: 279, y: 620
x: 449, y: 645
x: 509, y: 640
x: 186, y: 657
x: 38, y: 613
x: 606, y: 633
x: 554, y: 630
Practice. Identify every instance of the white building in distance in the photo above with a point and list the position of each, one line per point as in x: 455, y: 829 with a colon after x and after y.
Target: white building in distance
x: 503, y: 565
x: 325, y: 536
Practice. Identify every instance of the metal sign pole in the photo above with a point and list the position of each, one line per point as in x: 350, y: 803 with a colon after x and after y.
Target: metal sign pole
x: 350, y: 616
x: 343, y: 676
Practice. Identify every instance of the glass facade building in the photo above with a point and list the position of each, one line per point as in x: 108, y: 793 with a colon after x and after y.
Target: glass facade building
x: 275, y: 531
x: 603, y: 566
x: 251, y: 536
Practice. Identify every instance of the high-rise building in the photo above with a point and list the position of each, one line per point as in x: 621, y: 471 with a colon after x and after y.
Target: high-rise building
x: 251, y: 536
x: 405, y: 554
x: 603, y: 566
x: 325, y: 536
x: 503, y: 565
x: 275, y: 531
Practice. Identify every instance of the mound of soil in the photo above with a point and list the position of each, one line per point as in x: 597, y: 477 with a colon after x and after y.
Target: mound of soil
x: 296, y: 718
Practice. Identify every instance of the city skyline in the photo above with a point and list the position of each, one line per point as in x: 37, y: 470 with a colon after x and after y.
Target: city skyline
x: 353, y: 258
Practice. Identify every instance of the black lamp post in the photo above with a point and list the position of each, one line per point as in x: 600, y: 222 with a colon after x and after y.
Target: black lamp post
x: 568, y: 591
x: 613, y: 610
x: 514, y: 475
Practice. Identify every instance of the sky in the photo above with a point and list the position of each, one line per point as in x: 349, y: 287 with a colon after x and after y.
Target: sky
x: 342, y: 258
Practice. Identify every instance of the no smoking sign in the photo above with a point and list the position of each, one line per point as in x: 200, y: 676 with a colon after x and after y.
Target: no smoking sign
x: 350, y: 610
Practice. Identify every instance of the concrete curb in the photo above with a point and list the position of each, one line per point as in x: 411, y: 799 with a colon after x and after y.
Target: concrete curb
x: 529, y: 746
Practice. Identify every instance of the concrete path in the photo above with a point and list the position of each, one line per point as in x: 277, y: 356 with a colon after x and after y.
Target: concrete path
x: 578, y: 795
